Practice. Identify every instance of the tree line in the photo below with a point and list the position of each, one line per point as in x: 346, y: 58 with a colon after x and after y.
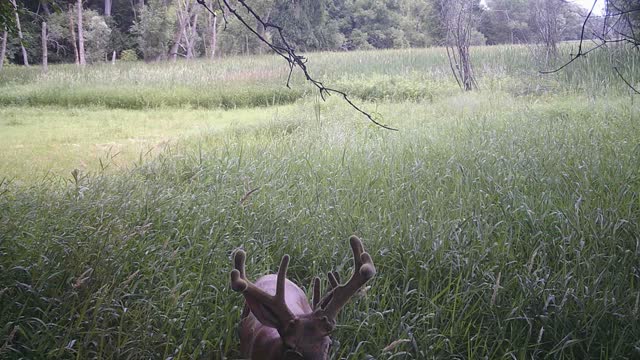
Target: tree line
x: 90, y: 31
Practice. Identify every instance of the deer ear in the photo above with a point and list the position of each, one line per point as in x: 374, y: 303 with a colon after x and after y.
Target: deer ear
x: 263, y: 313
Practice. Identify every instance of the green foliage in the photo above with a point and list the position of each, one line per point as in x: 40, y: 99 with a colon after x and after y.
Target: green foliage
x: 60, y: 37
x: 373, y: 24
x: 129, y: 55
x: 154, y: 29
x: 514, y: 21
x: 302, y: 21
x: 97, y: 35
x: 310, y: 25
x: 7, y: 16
x: 506, y: 22
x: 119, y: 40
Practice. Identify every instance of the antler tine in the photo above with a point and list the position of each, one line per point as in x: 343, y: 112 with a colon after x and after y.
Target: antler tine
x: 240, y: 283
x: 362, y: 272
x: 334, y: 279
x: 282, y: 276
x: 238, y: 276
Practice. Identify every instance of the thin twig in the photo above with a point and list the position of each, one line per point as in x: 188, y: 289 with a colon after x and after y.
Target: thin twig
x: 580, y: 53
x: 625, y: 81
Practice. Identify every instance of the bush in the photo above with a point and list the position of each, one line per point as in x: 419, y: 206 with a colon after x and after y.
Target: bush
x: 129, y: 55
x: 97, y: 35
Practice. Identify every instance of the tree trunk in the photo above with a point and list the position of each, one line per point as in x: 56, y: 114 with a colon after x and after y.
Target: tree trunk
x: 173, y: 52
x: 45, y: 54
x: 83, y: 61
x: 3, y: 50
x: 184, y: 15
x: 107, y: 8
x: 72, y: 30
x: 177, y: 36
x: 262, y: 31
x: 25, y: 59
x: 458, y: 19
x: 214, y: 37
x: 191, y: 37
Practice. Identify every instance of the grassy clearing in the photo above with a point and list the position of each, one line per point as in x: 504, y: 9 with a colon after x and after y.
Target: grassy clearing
x: 43, y: 141
x: 503, y: 223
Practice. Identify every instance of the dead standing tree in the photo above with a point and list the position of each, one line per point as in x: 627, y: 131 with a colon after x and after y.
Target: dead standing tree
x: 212, y: 23
x: 185, y: 35
x: 81, y: 52
x: 546, y: 16
x: 25, y: 59
x: 3, y: 47
x: 458, y: 18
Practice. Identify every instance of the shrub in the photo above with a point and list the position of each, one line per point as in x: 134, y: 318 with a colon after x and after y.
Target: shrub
x: 129, y: 55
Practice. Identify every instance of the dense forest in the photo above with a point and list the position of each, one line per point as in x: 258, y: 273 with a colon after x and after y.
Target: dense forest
x: 168, y: 29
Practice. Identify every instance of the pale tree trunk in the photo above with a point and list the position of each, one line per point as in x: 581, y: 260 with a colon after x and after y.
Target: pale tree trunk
x: 3, y: 50
x: 25, y: 59
x: 214, y: 36
x: 262, y: 31
x: 107, y: 7
x: 45, y: 54
x: 83, y: 61
x: 184, y: 15
x: 190, y: 39
x: 72, y: 30
x: 173, y: 52
x: 177, y: 36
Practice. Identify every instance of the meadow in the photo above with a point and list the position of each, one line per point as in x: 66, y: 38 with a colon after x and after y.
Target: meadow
x: 504, y: 222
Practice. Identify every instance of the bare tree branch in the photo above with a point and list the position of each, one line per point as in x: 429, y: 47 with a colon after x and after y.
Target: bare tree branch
x: 287, y: 52
x: 580, y: 53
x: 626, y: 82
x: 620, y: 16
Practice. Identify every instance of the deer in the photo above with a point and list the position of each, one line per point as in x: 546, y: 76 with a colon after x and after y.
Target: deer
x: 279, y: 323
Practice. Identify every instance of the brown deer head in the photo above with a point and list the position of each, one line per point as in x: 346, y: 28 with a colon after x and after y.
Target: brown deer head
x: 279, y: 323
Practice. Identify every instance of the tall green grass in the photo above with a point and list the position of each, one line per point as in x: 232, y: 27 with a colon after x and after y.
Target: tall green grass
x: 501, y: 227
x: 393, y: 75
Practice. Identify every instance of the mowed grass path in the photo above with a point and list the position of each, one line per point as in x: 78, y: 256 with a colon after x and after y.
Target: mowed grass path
x: 503, y: 223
